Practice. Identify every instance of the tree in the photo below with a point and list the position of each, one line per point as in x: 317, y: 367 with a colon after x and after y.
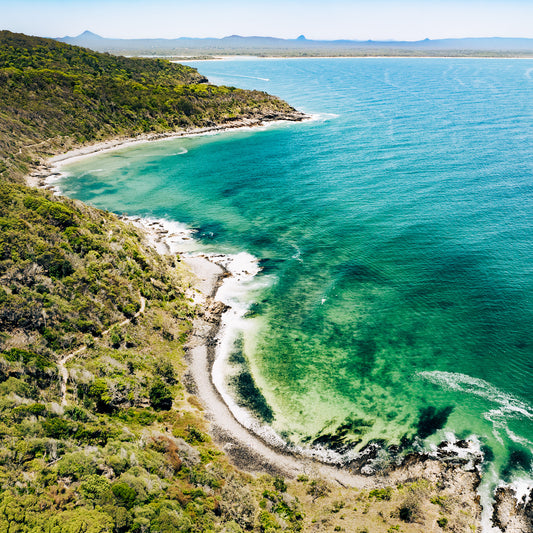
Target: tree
x: 160, y: 397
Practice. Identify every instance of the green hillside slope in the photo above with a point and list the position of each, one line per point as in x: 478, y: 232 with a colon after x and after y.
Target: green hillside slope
x: 54, y: 95
x: 98, y: 432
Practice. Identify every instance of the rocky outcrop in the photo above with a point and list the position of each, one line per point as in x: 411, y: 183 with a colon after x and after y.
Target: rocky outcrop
x: 513, y: 513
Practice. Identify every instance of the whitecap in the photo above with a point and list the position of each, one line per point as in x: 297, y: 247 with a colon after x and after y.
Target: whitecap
x: 507, y: 406
x: 173, y: 154
x: 248, y: 77
x: 322, y: 117
x: 298, y: 253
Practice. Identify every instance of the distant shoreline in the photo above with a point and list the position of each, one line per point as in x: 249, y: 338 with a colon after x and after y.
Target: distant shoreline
x: 232, y: 57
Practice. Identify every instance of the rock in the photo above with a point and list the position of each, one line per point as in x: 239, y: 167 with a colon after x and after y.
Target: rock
x: 451, y: 478
x: 510, y: 514
x: 214, y: 311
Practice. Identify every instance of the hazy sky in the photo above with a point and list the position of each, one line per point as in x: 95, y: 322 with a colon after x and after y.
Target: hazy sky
x: 316, y: 19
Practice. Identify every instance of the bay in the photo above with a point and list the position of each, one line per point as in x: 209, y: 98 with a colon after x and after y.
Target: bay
x: 394, y: 231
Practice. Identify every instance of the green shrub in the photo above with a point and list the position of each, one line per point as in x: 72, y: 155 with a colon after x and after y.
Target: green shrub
x: 28, y: 358
x: 381, y: 494
x: 442, y: 522
x: 195, y: 436
x: 279, y: 484
x: 318, y: 488
x: 94, y: 487
x: 160, y: 397
x: 410, y: 510
x: 124, y: 494
x: 58, y: 428
x: 58, y: 213
x: 76, y: 465
x: 100, y: 393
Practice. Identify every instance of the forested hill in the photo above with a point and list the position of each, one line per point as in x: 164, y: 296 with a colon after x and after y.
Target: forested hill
x: 54, y: 95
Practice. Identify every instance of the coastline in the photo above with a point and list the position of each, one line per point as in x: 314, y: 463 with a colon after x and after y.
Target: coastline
x: 455, y: 466
x: 49, y: 169
x: 244, y: 57
x: 214, y: 274
x: 246, y: 449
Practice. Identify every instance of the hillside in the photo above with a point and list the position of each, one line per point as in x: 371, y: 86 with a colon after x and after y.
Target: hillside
x: 123, y: 447
x: 99, y: 430
x: 53, y: 96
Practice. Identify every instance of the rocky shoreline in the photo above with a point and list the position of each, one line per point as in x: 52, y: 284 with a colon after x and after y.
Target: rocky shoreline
x: 513, y: 512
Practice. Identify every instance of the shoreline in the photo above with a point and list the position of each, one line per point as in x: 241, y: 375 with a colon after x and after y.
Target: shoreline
x: 246, y: 449
x: 455, y: 465
x: 49, y: 169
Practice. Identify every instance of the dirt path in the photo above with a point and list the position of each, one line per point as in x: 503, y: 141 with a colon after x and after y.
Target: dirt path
x: 63, y: 372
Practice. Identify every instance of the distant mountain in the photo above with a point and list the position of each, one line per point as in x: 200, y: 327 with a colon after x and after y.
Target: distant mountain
x: 237, y: 44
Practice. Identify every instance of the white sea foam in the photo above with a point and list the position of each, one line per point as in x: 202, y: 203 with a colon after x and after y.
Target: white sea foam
x: 234, y: 292
x: 52, y: 181
x: 478, y: 387
x: 248, y: 77
x: 173, y: 237
x: 507, y: 406
x: 486, y: 495
x: 522, y: 488
x: 472, y: 449
x: 322, y: 117
x: 181, y: 152
x: 298, y: 253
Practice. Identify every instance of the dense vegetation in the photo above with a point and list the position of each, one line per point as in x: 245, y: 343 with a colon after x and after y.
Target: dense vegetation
x: 97, y: 430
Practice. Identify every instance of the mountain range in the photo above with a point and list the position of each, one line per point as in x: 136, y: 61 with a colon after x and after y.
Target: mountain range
x: 256, y: 45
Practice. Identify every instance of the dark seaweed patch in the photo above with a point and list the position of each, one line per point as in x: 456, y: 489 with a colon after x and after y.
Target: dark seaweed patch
x: 237, y: 358
x: 432, y: 419
x: 256, y: 309
x: 210, y: 230
x: 353, y: 271
x: 262, y: 239
x: 519, y: 461
x: 269, y: 264
x: 346, y: 435
x: 250, y: 396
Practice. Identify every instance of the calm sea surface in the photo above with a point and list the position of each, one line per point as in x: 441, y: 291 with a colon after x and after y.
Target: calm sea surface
x: 396, y: 238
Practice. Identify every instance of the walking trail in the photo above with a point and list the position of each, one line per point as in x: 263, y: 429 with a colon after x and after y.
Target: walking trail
x: 63, y: 372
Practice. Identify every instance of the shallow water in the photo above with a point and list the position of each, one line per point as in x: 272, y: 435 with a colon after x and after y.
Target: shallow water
x: 395, y: 237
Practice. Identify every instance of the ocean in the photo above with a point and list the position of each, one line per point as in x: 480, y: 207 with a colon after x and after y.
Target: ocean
x: 394, y: 233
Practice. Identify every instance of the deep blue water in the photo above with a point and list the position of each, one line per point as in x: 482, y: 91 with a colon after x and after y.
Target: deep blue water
x: 396, y: 234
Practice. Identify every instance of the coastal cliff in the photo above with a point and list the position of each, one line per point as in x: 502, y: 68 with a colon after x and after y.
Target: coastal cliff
x: 103, y: 426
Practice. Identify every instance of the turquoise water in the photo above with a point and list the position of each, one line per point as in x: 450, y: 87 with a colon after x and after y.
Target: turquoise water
x: 395, y: 231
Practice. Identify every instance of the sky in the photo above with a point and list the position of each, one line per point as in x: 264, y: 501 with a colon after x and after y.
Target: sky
x: 316, y: 19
